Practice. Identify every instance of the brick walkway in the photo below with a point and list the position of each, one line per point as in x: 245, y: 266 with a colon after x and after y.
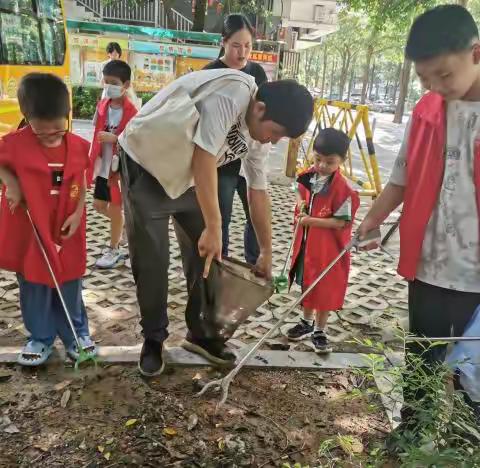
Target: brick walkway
x: 376, y: 300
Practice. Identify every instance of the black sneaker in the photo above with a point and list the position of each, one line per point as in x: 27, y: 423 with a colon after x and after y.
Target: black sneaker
x: 301, y: 330
x: 320, y: 341
x: 151, y: 359
x: 214, y: 350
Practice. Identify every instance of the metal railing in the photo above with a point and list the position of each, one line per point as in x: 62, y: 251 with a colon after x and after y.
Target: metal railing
x: 151, y: 13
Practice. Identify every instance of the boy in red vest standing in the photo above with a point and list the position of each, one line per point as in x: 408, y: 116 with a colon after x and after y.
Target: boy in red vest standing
x: 113, y: 113
x: 437, y: 178
x: 42, y: 167
x: 325, y: 229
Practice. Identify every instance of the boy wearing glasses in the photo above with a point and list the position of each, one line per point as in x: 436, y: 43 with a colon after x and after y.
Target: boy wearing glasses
x: 42, y: 167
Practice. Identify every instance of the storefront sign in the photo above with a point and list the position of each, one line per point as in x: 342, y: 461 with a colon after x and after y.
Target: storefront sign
x: 174, y: 49
x: 267, y: 57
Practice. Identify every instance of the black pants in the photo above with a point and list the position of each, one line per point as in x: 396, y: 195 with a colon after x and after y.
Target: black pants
x: 437, y: 312
x: 434, y: 312
x: 147, y: 213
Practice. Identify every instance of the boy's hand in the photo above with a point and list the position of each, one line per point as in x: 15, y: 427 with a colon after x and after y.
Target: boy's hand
x: 107, y: 137
x: 210, y: 246
x: 263, y: 266
x: 13, y: 194
x: 71, y: 225
x: 304, y: 219
x: 365, y: 227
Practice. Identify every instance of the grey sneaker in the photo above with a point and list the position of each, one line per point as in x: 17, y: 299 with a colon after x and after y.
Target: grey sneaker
x: 110, y: 258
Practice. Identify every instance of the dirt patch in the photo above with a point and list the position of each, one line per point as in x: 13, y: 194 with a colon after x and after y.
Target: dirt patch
x: 112, y: 417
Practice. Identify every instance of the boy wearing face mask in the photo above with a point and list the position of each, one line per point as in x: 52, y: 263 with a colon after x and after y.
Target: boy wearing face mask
x: 112, y: 115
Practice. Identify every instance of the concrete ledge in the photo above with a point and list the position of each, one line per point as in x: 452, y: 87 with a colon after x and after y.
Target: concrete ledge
x: 180, y: 357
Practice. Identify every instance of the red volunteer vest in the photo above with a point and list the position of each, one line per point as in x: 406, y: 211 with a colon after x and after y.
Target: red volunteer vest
x: 425, y: 168
x: 129, y: 111
x: 323, y: 245
x: 19, y: 251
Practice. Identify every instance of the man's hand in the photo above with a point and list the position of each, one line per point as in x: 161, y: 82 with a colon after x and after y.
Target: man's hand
x: 210, y: 247
x: 107, y: 137
x: 71, y: 225
x: 263, y: 267
x: 13, y: 193
x: 365, y: 227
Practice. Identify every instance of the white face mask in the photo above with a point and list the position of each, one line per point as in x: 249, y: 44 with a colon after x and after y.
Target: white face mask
x: 113, y: 91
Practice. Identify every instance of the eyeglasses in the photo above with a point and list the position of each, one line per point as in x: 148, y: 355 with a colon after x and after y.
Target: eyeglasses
x: 49, y: 135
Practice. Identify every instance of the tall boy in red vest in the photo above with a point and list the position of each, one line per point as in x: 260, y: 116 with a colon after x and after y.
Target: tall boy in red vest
x: 113, y: 113
x: 325, y: 230
x: 43, y: 169
x: 437, y: 177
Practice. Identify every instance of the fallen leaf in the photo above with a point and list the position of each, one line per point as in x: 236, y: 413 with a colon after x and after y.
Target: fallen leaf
x: 192, y: 421
x: 197, y: 377
x: 221, y: 443
x: 110, y: 441
x: 65, y: 398
x: 7, y: 426
x: 131, y: 422
x: 101, y: 448
x: 170, y: 431
x: 304, y: 393
x: 83, y: 445
x: 60, y: 386
x: 107, y: 456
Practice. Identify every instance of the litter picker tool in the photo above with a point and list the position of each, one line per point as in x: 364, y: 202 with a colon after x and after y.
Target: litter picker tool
x: 83, y: 356
x: 224, y: 383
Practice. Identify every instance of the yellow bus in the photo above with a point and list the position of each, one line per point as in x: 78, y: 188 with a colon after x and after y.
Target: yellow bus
x: 33, y: 37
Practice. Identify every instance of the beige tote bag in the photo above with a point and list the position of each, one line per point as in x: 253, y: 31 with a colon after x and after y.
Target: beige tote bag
x: 162, y: 135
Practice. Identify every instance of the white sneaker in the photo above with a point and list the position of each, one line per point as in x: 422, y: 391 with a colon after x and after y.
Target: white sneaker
x: 110, y: 258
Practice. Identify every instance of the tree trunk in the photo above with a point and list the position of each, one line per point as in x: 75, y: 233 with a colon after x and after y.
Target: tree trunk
x: 351, y: 82
x: 372, y: 82
x: 332, y: 76
x: 397, y: 82
x: 324, y: 71
x: 366, y: 73
x: 404, y: 84
x: 387, y: 89
x: 343, y: 74
x: 199, y: 16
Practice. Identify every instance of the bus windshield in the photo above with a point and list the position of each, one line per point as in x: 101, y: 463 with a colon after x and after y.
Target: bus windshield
x: 31, y: 32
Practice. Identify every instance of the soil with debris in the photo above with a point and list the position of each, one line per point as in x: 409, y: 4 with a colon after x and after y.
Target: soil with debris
x: 57, y: 417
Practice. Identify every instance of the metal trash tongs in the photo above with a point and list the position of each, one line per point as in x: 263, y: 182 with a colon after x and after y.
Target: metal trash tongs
x: 224, y: 383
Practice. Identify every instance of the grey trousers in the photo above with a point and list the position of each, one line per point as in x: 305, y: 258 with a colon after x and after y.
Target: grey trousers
x: 147, y: 213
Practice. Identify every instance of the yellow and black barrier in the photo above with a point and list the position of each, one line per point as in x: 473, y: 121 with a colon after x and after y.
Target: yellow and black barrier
x: 348, y: 118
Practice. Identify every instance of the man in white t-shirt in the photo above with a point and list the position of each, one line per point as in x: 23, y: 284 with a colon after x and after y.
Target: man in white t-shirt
x: 437, y: 177
x: 235, y: 121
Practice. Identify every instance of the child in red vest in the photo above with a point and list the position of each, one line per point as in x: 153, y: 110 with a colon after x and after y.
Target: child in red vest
x: 42, y: 167
x: 325, y: 229
x: 113, y: 113
x: 437, y: 178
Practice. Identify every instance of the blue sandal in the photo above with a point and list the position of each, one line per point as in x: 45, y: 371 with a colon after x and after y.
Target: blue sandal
x: 34, y: 353
x: 87, y: 344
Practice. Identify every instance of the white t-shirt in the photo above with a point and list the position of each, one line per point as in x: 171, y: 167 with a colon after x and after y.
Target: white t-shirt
x: 113, y: 121
x: 221, y: 129
x: 451, y: 247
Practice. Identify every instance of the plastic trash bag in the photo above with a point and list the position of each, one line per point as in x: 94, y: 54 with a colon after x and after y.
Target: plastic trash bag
x: 465, y: 357
x: 230, y: 295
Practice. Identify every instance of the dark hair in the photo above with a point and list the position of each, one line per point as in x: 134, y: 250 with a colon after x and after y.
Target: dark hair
x: 442, y: 30
x: 287, y: 103
x: 331, y: 141
x: 231, y: 25
x: 114, y: 47
x: 43, y: 96
x: 118, y: 69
